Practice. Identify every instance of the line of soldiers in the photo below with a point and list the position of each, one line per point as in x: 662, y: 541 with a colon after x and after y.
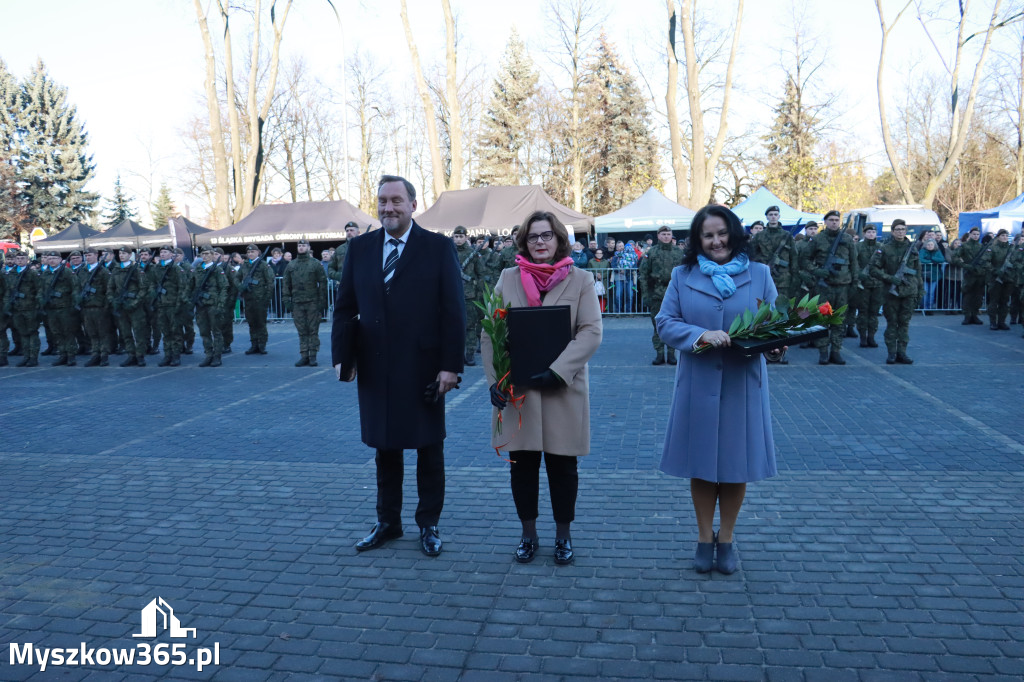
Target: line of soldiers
x: 481, y: 264
x: 864, y: 275
x: 995, y: 268
x: 103, y: 308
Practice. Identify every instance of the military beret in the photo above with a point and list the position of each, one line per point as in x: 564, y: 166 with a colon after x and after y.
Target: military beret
x: 179, y: 251
x: 459, y: 230
x: 125, y: 249
x: 772, y: 208
x: 52, y: 254
x: 352, y: 223
x: 664, y: 228
x: 166, y: 247
x: 810, y: 223
x: 90, y: 249
x: 831, y: 213
x: 145, y: 251
x: 206, y: 249
x: 304, y: 241
x: 252, y: 247
x: 219, y: 251
x: 756, y: 223
x: 76, y: 253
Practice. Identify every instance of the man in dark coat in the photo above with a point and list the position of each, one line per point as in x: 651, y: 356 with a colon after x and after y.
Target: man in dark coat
x: 404, y: 283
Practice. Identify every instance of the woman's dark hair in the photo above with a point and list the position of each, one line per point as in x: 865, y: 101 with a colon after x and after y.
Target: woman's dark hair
x: 563, y: 247
x: 738, y: 237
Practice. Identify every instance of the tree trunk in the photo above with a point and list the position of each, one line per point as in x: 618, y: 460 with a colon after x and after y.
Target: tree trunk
x: 452, y: 89
x: 221, y: 208
x: 890, y: 147
x: 233, y: 124
x: 290, y: 167
x: 436, y: 165
x: 1019, y: 169
x: 678, y: 167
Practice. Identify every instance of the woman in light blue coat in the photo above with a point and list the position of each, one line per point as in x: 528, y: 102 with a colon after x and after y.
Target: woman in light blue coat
x: 720, y: 430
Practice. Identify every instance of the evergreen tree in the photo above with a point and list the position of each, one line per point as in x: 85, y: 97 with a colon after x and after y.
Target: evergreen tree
x: 119, y: 207
x: 163, y: 208
x: 622, y: 162
x: 792, y: 171
x: 12, y: 218
x: 505, y: 131
x: 52, y: 162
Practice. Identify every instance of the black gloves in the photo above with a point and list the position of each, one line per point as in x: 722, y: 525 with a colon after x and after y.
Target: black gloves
x: 546, y: 379
x: 498, y: 397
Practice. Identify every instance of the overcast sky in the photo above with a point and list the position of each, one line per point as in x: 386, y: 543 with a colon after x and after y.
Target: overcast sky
x: 135, y: 70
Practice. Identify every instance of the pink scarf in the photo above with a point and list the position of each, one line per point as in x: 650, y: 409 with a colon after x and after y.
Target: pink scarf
x: 538, y: 277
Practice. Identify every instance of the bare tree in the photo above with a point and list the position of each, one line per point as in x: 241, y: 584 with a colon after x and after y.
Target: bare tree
x: 679, y: 168
x: 960, y: 114
x: 452, y: 94
x: 1005, y: 97
x: 436, y: 166
x: 705, y: 153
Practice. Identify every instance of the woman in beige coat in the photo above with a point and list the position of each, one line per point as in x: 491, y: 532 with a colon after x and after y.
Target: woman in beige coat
x: 555, y: 411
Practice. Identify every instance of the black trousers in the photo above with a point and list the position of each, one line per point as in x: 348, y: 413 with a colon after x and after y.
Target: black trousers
x: 429, y: 484
x: 563, y: 482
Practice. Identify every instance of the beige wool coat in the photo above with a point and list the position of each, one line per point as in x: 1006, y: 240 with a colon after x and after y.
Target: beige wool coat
x: 556, y: 421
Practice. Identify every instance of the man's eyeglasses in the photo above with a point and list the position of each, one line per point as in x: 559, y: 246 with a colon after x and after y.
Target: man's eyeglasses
x: 540, y: 236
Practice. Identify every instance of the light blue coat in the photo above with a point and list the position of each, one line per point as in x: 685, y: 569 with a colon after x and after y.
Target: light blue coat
x: 720, y: 426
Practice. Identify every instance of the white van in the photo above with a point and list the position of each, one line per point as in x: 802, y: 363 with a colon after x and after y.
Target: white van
x: 918, y: 218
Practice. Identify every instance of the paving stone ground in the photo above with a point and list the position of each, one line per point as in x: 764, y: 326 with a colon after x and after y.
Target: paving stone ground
x: 889, y: 547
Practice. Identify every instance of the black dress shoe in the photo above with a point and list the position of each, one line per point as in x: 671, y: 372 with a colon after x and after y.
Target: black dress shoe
x: 563, y: 552
x: 430, y: 541
x: 381, y: 533
x: 526, y: 549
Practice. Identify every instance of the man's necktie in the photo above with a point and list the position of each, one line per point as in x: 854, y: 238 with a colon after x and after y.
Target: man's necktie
x: 390, y: 263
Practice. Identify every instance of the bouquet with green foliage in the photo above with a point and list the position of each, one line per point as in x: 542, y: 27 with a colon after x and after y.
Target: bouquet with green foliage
x: 496, y: 327
x: 786, y: 317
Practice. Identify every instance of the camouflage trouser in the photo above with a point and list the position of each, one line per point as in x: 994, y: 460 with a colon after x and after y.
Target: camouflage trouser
x: 26, y: 323
x: 869, y: 300
x: 654, y: 305
x: 998, y: 301
x: 186, y: 322
x: 152, y: 329
x: 5, y: 344
x: 473, y: 317
x: 256, y: 317
x: 306, y: 317
x: 227, y: 326
x: 63, y: 326
x: 208, y: 319
x: 96, y: 320
x: 898, y: 311
x: 838, y: 296
x: 973, y: 289
x: 134, y: 330
x: 167, y: 321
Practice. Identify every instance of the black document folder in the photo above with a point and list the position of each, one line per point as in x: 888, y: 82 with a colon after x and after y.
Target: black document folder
x: 347, y: 356
x: 536, y: 337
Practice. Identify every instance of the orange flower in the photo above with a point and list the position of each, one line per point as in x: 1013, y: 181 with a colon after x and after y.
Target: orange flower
x: 825, y: 308
x: 500, y: 313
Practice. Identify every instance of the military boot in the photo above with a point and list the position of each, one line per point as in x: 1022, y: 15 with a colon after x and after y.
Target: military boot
x: 188, y: 349
x: 104, y: 360
x: 71, y: 361
x: 312, y: 359
x: 470, y: 360
x: 871, y: 341
x: 303, y: 361
x: 659, y: 359
x: 165, y: 362
x: 901, y: 358
x: 206, y: 361
x: 672, y: 356
x: 226, y: 351
x: 33, y: 361
x: 93, y: 361
x: 864, y: 339
x: 263, y: 348
x: 49, y: 351
x: 823, y: 355
x: 252, y: 350
x: 850, y: 333
x: 23, y: 363
x: 215, y: 362
x: 890, y: 359
x: 176, y: 360
x: 3, y: 360
x: 61, y: 360
x: 130, y: 362
x: 140, y: 361
x: 835, y: 358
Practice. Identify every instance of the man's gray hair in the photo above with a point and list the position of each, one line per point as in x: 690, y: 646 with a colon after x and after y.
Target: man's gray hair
x: 409, y: 188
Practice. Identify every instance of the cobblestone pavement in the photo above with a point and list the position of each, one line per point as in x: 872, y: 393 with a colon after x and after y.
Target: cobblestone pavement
x: 888, y: 548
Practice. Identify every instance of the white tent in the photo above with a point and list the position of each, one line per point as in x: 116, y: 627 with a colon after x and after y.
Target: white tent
x: 652, y: 210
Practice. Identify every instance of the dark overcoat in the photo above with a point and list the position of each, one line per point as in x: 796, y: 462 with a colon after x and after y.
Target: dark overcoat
x: 720, y: 427
x: 404, y: 337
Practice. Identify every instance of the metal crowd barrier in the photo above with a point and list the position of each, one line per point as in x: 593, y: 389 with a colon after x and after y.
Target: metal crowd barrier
x: 278, y: 312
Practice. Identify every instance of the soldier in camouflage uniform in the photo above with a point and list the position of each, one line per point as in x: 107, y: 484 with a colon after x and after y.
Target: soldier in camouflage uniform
x: 61, y: 294
x: 256, y: 292
x: 472, y: 288
x: 186, y: 311
x: 227, y: 318
x: 509, y: 253
x: 167, y: 281
x: 490, y: 260
x: 869, y: 293
x: 94, y: 279
x: 655, y: 274
x: 337, y: 264
x: 25, y: 297
x: 832, y: 284
x: 973, y: 287
x: 208, y: 289
x: 128, y: 294
x: 145, y: 260
x: 774, y: 246
x: 305, y: 291
x: 999, y: 266
x: 902, y: 293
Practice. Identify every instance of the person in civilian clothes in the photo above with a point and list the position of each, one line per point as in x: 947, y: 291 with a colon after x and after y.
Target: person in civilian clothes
x: 555, y: 413
x: 720, y: 427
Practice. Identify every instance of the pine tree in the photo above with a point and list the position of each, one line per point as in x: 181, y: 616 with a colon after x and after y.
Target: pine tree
x: 792, y: 171
x: 53, y: 165
x: 506, y: 125
x: 12, y: 209
x: 119, y: 207
x: 163, y: 208
x: 623, y: 160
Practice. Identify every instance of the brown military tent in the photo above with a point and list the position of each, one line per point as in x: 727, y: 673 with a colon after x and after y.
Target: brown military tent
x: 496, y: 210
x: 312, y: 220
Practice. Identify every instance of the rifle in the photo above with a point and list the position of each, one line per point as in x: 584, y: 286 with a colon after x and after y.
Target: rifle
x: 776, y: 261
x: 202, y: 285
x: 124, y: 289
x: 903, y: 270
x: 15, y: 294
x: 246, y: 282
x: 1006, y: 262
x: 160, y: 291
x: 53, y: 284
x: 982, y: 252
x: 87, y: 289
x: 831, y: 260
